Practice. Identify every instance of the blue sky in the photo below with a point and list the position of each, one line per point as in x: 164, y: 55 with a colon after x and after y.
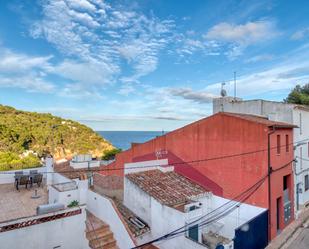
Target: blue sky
x: 147, y: 65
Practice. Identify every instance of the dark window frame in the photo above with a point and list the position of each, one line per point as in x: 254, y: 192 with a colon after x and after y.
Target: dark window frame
x: 306, y: 182
x: 278, y: 144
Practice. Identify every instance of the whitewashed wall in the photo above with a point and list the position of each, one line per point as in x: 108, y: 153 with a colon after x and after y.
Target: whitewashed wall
x: 104, y: 210
x: 300, y: 134
x: 67, y: 233
x: 64, y: 197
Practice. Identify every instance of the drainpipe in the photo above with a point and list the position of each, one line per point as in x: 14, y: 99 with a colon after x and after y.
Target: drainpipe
x: 269, y: 181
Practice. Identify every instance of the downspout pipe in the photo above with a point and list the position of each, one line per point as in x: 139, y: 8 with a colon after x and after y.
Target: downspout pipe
x: 269, y: 180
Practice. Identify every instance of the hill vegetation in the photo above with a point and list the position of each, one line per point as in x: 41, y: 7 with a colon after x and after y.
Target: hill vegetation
x: 299, y: 95
x: 27, y: 136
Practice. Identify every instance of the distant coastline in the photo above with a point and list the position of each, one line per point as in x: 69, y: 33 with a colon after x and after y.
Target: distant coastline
x: 123, y: 139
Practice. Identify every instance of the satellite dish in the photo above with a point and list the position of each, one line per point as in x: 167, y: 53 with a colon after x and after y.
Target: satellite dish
x: 223, y: 93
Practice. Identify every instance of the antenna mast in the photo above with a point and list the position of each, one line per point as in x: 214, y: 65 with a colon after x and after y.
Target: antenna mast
x: 235, y: 85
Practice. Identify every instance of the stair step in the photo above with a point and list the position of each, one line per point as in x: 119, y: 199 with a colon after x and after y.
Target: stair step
x: 106, y: 243
x: 98, y: 234
x: 92, y: 233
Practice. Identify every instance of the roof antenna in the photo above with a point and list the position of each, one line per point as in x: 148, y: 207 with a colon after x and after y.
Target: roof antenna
x: 235, y: 85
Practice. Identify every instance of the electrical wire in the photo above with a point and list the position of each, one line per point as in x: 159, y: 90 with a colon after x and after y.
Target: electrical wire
x: 175, y: 163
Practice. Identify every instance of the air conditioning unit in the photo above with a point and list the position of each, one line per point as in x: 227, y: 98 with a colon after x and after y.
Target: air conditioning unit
x: 192, y: 206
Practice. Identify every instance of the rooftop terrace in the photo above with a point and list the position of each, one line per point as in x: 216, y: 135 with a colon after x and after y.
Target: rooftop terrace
x: 19, y: 204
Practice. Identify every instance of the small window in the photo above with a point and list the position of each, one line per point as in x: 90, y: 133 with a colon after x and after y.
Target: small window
x: 287, y: 143
x: 285, y: 182
x: 306, y: 182
x: 278, y: 144
x: 193, y: 233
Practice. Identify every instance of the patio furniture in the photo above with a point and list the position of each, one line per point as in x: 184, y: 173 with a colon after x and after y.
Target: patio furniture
x: 37, y: 178
x: 22, y: 180
x: 17, y: 175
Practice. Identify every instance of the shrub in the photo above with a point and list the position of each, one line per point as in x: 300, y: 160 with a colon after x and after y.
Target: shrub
x: 74, y: 203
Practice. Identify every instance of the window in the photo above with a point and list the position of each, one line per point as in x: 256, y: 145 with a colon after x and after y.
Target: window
x: 285, y: 182
x: 308, y: 149
x: 278, y: 144
x: 287, y: 143
x: 306, y: 182
x: 193, y: 232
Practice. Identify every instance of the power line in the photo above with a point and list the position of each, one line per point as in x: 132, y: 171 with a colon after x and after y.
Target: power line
x: 176, y: 163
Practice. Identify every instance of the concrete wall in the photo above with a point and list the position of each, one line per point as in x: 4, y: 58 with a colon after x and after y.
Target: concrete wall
x: 65, y: 233
x: 301, y: 135
x: 84, y: 165
x: 274, y: 110
x: 104, y: 210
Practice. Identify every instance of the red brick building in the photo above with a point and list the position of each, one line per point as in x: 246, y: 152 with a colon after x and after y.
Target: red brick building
x: 228, y: 153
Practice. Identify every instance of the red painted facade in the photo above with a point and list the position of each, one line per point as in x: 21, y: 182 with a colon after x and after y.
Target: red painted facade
x: 206, y: 145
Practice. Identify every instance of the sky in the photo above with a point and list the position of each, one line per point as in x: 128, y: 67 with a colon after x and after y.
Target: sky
x: 148, y: 64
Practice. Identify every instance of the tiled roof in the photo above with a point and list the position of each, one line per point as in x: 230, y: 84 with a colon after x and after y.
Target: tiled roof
x: 169, y: 188
x: 259, y: 119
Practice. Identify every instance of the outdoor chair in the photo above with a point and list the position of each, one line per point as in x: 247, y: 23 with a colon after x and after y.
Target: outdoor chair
x: 37, y: 178
x: 18, y: 174
x: 22, y: 180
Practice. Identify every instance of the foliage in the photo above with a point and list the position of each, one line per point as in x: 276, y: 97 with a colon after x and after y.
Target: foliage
x: 299, y: 95
x: 12, y: 161
x: 43, y: 134
x: 110, y: 154
x: 74, y: 203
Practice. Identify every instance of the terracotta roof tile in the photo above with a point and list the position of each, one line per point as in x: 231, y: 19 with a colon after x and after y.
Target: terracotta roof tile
x: 169, y: 188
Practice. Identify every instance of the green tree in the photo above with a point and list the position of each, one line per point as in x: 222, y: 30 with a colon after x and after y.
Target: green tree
x: 110, y: 154
x: 299, y: 95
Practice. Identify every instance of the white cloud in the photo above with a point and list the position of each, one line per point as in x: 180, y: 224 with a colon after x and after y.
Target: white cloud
x: 16, y: 62
x: 86, y: 73
x: 126, y: 89
x: 81, y: 5
x: 300, y: 34
x: 258, y: 58
x: 96, y: 33
x: 196, y: 96
x: 245, y: 34
x: 278, y: 79
x: 23, y: 71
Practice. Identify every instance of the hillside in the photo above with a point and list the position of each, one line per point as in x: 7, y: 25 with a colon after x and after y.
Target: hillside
x: 22, y: 131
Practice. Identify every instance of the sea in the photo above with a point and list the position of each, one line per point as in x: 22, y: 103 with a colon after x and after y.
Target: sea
x: 123, y: 139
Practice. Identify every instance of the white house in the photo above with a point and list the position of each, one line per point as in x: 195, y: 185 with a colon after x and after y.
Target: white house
x: 166, y: 201
x: 279, y: 111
